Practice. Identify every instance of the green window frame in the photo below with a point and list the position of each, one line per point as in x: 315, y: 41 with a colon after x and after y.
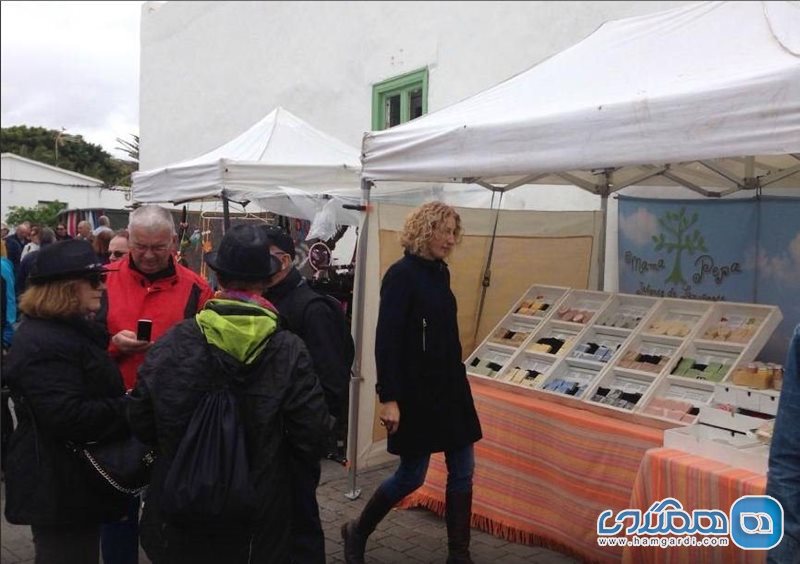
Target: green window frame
x: 398, y: 97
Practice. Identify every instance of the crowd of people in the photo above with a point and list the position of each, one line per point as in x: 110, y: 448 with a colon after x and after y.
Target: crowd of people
x: 264, y: 354
x: 244, y: 386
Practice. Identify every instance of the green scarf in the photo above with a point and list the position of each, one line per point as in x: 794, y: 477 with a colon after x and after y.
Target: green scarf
x: 240, y: 329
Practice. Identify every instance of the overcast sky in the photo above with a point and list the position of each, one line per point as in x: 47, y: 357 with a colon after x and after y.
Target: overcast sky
x: 73, y: 65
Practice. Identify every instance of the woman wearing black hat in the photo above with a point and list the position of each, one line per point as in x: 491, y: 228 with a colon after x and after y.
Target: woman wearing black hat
x: 66, y: 390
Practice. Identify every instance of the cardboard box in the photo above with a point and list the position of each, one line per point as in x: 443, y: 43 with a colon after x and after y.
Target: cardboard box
x: 721, y: 445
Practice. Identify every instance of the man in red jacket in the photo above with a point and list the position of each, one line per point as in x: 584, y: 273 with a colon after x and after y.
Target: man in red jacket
x: 150, y: 284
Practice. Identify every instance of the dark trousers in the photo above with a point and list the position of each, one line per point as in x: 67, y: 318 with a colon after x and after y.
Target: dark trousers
x: 187, y: 547
x: 308, y: 540
x: 66, y: 544
x: 6, y: 427
x: 120, y: 539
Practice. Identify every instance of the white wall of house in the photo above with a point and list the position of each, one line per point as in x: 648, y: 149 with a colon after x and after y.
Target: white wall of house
x: 27, y: 183
x: 209, y: 70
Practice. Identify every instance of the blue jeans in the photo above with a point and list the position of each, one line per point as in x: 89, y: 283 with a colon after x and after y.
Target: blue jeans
x: 410, y: 475
x: 783, y: 477
x: 119, y: 541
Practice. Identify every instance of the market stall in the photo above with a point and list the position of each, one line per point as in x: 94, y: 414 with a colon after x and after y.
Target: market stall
x: 704, y: 96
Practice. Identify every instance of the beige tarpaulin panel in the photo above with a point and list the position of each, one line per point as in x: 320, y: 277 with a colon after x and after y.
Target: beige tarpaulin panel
x: 557, y: 261
x: 555, y: 248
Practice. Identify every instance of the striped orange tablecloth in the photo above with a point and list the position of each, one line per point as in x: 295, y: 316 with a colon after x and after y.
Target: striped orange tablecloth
x: 544, y: 472
x: 698, y: 483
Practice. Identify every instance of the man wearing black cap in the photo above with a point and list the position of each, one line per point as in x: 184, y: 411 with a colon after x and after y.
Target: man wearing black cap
x: 234, y: 342
x: 316, y: 320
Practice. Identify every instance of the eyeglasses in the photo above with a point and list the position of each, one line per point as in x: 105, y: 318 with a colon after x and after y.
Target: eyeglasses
x: 96, y: 280
x: 117, y: 254
x: 153, y: 248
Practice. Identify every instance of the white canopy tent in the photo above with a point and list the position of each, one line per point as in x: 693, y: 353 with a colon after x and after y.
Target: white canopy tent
x: 706, y: 95
x: 705, y: 81
x: 285, y: 165
x: 281, y: 160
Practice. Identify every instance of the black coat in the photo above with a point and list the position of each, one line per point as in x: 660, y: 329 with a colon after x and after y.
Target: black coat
x: 311, y: 317
x: 65, y: 388
x: 418, y: 356
x: 281, y: 405
x: 14, y: 249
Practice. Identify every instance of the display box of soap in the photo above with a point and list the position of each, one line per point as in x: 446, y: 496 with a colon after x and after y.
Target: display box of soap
x: 539, y: 300
x: 626, y: 311
x: 489, y: 360
x: 581, y: 306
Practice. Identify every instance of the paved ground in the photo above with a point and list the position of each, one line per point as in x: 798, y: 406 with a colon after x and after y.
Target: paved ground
x: 405, y: 536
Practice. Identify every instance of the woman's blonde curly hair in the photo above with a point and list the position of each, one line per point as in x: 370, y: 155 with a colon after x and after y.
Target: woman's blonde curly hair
x: 422, y: 224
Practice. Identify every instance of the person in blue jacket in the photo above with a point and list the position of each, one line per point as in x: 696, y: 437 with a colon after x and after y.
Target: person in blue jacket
x: 9, y: 298
x: 426, y: 402
x: 8, y: 301
x: 783, y: 476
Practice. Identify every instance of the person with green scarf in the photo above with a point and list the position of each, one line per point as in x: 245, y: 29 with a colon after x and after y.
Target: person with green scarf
x: 236, y: 340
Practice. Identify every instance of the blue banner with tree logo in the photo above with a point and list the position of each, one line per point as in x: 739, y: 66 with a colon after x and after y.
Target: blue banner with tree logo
x: 743, y: 250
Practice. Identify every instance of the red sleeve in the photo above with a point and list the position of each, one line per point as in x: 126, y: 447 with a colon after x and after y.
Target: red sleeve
x: 206, y: 293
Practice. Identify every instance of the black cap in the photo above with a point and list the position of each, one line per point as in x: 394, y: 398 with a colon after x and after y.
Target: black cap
x: 244, y: 254
x: 65, y: 260
x: 280, y: 238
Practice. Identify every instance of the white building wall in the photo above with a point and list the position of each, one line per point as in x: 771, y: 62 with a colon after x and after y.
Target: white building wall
x: 26, y: 183
x: 209, y: 70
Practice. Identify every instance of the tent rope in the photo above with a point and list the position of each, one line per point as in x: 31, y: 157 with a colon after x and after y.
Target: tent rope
x: 487, y: 271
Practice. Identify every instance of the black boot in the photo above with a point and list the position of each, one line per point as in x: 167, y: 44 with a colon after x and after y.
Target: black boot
x: 355, y: 532
x: 458, y: 510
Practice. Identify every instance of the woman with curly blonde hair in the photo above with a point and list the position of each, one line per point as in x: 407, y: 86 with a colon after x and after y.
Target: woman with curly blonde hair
x: 426, y: 402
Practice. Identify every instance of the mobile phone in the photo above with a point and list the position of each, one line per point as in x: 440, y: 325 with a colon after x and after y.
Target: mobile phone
x: 143, y: 329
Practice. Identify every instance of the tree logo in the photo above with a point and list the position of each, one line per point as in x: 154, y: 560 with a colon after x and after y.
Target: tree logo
x: 677, y: 226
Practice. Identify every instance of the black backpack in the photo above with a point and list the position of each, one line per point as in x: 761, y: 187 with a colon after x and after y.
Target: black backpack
x: 208, y: 484
x: 295, y: 309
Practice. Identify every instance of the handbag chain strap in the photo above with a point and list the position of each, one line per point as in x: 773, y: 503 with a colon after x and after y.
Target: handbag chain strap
x: 100, y: 470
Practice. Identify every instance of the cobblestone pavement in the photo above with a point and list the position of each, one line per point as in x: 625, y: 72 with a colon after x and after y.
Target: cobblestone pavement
x: 405, y: 536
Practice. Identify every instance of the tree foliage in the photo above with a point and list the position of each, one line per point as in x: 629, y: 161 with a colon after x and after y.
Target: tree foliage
x: 70, y: 152
x: 45, y: 215
x: 131, y: 148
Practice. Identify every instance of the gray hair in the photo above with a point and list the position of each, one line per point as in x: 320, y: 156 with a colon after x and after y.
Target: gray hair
x: 46, y: 236
x: 151, y: 218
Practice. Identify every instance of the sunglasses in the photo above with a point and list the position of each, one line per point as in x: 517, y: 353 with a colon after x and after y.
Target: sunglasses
x: 96, y: 280
x: 116, y: 254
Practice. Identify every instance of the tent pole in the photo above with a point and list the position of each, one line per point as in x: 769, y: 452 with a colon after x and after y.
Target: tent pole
x: 486, y: 280
x: 605, y: 188
x: 226, y: 214
x: 358, y: 331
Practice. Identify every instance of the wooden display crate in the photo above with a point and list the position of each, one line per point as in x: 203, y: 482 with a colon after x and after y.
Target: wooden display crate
x: 511, y: 356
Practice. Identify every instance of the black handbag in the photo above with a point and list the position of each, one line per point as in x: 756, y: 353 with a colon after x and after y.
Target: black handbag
x: 122, y: 466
